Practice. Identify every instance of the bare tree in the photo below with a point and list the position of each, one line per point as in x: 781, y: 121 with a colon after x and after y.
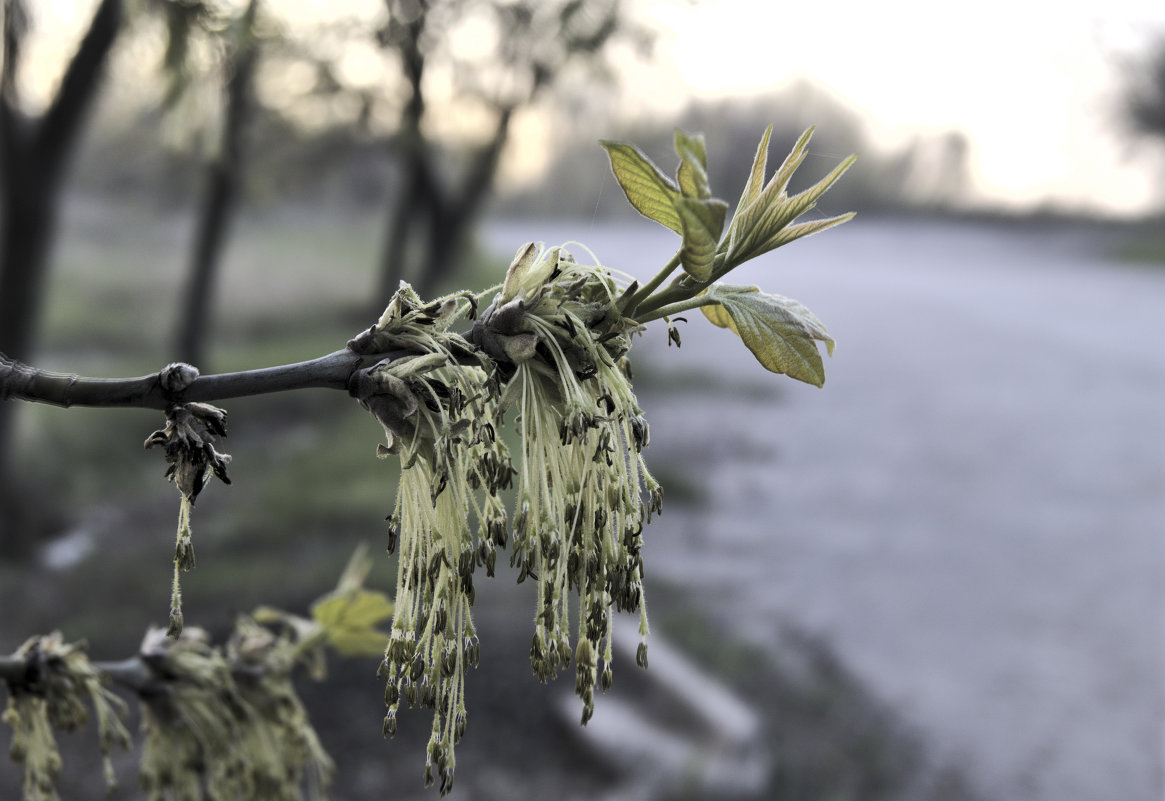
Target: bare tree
x: 537, y: 42
x: 1144, y: 97
x: 34, y: 153
x: 223, y: 170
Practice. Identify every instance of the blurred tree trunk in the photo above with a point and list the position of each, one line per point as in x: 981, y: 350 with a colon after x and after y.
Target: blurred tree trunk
x: 429, y: 222
x: 433, y: 211
x: 430, y: 215
x: 33, y: 155
x: 1144, y: 93
x: 219, y: 199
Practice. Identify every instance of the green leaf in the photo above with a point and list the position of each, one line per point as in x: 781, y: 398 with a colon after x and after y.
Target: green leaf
x: 719, y: 316
x: 702, y: 221
x: 756, y: 178
x: 693, y: 170
x: 790, y: 232
x: 760, y: 200
x: 779, y: 183
x: 780, y: 332
x: 762, y: 229
x: 647, y: 189
x: 357, y: 642
x: 349, y: 620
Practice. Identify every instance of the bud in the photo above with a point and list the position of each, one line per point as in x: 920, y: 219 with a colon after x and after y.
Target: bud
x: 584, y: 655
x: 393, y: 532
x: 174, y: 629
x: 184, y: 551
x: 176, y: 378
x: 471, y: 649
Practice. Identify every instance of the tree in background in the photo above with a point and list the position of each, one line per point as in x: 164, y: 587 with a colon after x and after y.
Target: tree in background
x: 535, y: 44
x: 440, y: 182
x: 34, y: 153
x: 929, y: 173
x: 1144, y: 97
x: 187, y: 19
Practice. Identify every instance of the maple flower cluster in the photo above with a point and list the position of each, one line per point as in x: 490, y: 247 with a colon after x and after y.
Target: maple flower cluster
x: 552, y: 349
x: 584, y: 493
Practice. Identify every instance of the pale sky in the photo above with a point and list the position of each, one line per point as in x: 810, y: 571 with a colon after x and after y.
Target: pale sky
x: 1032, y: 83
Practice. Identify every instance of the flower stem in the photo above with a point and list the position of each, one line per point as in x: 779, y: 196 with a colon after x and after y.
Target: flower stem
x: 652, y: 285
x: 681, y: 289
x: 676, y: 308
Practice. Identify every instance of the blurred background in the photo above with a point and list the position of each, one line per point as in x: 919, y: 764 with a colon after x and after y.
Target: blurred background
x: 940, y: 577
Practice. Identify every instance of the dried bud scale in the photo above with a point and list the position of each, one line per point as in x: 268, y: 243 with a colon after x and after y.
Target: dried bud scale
x: 188, y: 443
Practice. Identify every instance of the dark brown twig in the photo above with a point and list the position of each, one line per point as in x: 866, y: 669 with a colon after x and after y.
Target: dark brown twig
x: 24, y: 382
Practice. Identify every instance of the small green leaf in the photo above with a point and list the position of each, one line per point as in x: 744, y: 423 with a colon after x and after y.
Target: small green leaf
x: 761, y: 228
x: 647, y: 189
x: 761, y: 213
x: 790, y: 232
x: 702, y: 220
x: 780, y: 332
x: 349, y: 621
x: 779, y: 183
x: 357, y: 642
x: 693, y: 170
x: 756, y: 178
x: 719, y: 316
x: 760, y: 200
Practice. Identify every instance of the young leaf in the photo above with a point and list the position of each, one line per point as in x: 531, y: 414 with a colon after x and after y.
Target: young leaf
x: 762, y: 228
x: 349, y: 614
x: 780, y: 332
x: 702, y: 220
x: 349, y: 621
x: 647, y: 189
x: 757, y: 202
x: 791, y: 232
x: 756, y: 178
x: 693, y: 170
x: 758, y: 196
x: 779, y: 183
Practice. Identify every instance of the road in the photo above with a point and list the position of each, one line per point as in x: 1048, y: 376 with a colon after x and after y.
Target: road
x: 972, y: 511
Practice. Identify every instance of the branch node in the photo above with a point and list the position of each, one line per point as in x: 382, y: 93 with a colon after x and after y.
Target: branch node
x: 15, y: 377
x: 176, y: 378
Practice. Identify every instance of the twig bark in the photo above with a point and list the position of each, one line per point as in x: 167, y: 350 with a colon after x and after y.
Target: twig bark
x: 134, y: 674
x: 13, y: 670
x: 23, y: 382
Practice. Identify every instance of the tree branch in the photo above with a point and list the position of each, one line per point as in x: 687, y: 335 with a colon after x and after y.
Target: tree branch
x: 24, y: 382
x: 13, y: 671
x: 134, y: 674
